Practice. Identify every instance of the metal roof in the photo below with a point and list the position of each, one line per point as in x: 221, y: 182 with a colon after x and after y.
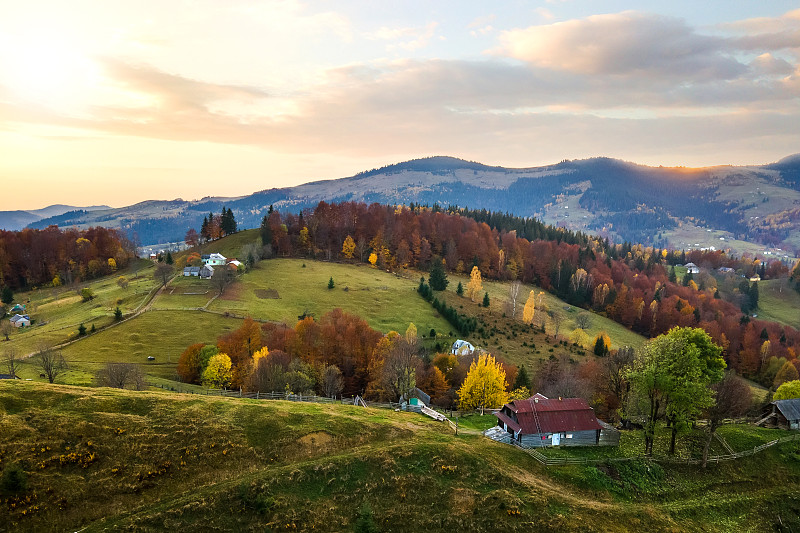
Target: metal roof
x: 555, y: 415
x: 789, y: 408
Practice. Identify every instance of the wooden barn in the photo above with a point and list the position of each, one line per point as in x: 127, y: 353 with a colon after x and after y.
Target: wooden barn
x: 541, y: 421
x: 784, y: 414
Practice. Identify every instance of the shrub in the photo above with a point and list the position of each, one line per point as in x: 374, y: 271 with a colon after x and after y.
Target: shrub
x: 87, y: 294
x: 14, y: 480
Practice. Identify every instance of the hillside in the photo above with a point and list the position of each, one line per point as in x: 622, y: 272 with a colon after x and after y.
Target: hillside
x: 187, y: 312
x: 16, y: 220
x: 102, y: 459
x: 746, y: 209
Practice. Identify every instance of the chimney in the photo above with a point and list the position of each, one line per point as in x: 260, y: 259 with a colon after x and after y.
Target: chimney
x: 536, y: 400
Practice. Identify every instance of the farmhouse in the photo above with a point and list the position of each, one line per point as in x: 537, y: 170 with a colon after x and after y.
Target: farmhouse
x: 784, y: 414
x: 191, y: 271
x: 19, y: 321
x: 541, y: 421
x: 214, y: 259
x: 17, y: 309
x: 206, y: 272
x: 691, y: 268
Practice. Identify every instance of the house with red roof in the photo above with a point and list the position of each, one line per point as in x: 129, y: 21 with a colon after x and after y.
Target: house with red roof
x: 540, y: 421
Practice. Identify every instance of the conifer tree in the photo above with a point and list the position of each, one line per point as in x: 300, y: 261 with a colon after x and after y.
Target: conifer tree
x: 437, y: 278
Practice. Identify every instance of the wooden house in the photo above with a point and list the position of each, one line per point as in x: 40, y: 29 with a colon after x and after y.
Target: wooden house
x: 207, y: 272
x: 784, y: 414
x: 20, y: 321
x: 191, y: 271
x: 540, y: 421
x: 691, y: 268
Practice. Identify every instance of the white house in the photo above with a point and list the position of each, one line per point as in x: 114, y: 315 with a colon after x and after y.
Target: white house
x: 462, y: 348
x: 214, y: 259
x: 206, y: 272
x: 691, y: 268
x: 19, y: 321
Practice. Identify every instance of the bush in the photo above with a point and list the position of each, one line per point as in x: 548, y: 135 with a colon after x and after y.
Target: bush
x: 14, y: 480
x: 87, y: 294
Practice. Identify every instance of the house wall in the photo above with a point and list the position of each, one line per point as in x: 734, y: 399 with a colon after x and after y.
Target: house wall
x: 609, y: 437
x: 579, y: 438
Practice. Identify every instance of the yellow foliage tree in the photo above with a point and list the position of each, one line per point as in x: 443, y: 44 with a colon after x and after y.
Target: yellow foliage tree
x: 485, y: 385
x: 411, y: 334
x: 520, y: 393
x: 787, y: 391
x: 602, y: 344
x: 112, y: 264
x: 348, y: 247
x: 579, y: 337
x: 259, y: 355
x: 218, y: 373
x: 788, y: 372
x: 475, y: 285
x: 373, y: 258
x: 529, y: 309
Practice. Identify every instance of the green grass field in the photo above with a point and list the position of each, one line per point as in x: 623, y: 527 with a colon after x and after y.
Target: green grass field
x: 386, y: 301
x: 779, y: 302
x: 161, y: 334
x: 58, y: 312
x: 105, y: 460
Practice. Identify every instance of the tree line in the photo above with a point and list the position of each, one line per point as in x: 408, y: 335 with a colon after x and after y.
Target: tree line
x: 53, y: 256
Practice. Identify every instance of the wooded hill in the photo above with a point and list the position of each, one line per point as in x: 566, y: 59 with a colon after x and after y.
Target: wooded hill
x: 624, y: 201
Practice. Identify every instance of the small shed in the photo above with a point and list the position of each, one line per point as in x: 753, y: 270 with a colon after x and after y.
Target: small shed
x: 20, y: 321
x: 191, y: 271
x: 207, y: 272
x: 17, y: 309
x: 784, y: 414
x: 540, y: 421
x: 691, y: 268
x: 416, y: 396
x: 7, y: 376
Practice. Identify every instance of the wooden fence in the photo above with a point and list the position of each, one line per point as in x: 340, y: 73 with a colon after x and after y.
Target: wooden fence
x: 561, y: 461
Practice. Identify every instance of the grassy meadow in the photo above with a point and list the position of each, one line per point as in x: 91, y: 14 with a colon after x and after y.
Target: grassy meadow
x: 100, y: 459
x: 779, y: 302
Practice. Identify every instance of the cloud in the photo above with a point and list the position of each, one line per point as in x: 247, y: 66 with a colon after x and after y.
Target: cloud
x: 408, y: 39
x: 628, y: 43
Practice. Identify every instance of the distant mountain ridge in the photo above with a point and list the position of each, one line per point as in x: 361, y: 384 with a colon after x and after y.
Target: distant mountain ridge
x: 16, y: 220
x: 749, y: 207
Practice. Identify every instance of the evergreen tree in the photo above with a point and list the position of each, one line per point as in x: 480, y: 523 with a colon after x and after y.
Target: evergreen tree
x: 437, y: 278
x: 687, y: 278
x: 522, y: 379
x: 204, y: 230
x: 330, y: 283
x: 672, y: 276
x: 81, y: 330
x: 753, y: 295
x: 486, y: 299
x: 8, y: 296
x: 169, y: 259
x: 460, y: 289
x: 117, y: 313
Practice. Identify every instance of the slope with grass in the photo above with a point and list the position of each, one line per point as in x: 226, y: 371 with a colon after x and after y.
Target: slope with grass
x: 58, y: 312
x: 779, y: 302
x: 101, y: 459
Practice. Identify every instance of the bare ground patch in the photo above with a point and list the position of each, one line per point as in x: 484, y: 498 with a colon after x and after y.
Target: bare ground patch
x: 267, y: 294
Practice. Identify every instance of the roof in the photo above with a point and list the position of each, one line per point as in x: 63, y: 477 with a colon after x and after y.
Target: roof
x: 554, y: 415
x: 416, y: 393
x: 6, y: 376
x: 687, y: 265
x: 789, y: 408
x: 191, y: 269
x: 17, y: 318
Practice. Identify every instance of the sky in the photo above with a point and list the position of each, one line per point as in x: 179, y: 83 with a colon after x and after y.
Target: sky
x: 116, y: 102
